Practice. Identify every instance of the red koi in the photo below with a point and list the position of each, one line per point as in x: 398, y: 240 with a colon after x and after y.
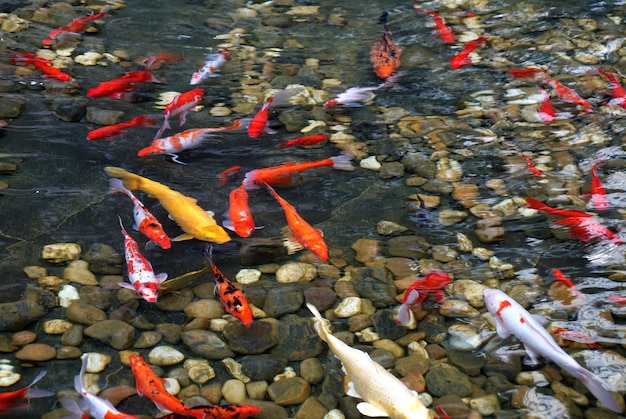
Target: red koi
x: 153, y: 61
x: 531, y: 166
x: 441, y: 29
x: 306, y: 141
x: 258, y: 125
x: 127, y: 82
x: 587, y: 229
x: 598, y: 194
x: 617, y: 90
x: 226, y: 173
x: 145, y: 222
x: 119, y: 129
x: 10, y: 399
x: 463, y: 59
x: 538, y: 205
x: 224, y: 411
x: 141, y: 277
x: 77, y: 25
x: 283, y: 174
x: 233, y: 299
x: 560, y: 276
x: 546, y: 111
x: 41, y: 64
x: 385, y: 54
x: 239, y: 216
x: 524, y: 73
x: 432, y: 284
x: 568, y: 94
x: 305, y: 234
x: 571, y: 336
x: 442, y: 413
x: 180, y: 105
x: 617, y: 299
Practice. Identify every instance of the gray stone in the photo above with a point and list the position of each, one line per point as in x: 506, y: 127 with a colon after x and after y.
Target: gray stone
x: 385, y: 324
x: 69, y: 109
x: 249, y: 341
x: 103, y: 116
x: 298, y: 340
x: 104, y: 259
x: 115, y: 333
x: 262, y: 367
x: 415, y: 247
x: 206, y: 344
x: 445, y: 379
x: 373, y: 284
x: 283, y: 300
x: 34, y: 304
x: 10, y: 106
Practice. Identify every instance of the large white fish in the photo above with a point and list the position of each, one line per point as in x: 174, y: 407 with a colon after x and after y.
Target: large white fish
x: 382, y: 392
x: 510, y: 317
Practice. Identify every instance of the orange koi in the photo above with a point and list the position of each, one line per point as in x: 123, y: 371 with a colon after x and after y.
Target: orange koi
x: 306, y: 141
x: 531, y: 166
x: 560, y: 276
x: 283, y: 174
x: 463, y: 58
x: 224, y: 411
x: 523, y: 73
x: 538, y: 205
x: 617, y: 90
x: 571, y: 336
x: 226, y: 173
x: 119, y: 129
x: 432, y: 284
x: 153, y: 61
x: 259, y: 125
x: 233, y: 299
x: 546, y: 111
x: 129, y: 81
x: 180, y: 105
x: 385, y: 54
x: 441, y: 29
x: 239, y: 216
x: 77, y: 25
x: 598, y: 194
x: 41, y: 64
x: 10, y: 399
x: 309, y: 237
x: 568, y: 94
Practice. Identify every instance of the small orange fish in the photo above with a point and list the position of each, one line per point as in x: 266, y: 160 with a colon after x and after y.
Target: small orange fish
x: 42, y: 64
x: 258, y: 124
x: 119, y: 129
x: 233, y: 299
x: 523, y: 73
x: 560, y: 276
x: 77, y: 25
x: 309, y: 140
x: 598, y: 194
x: 531, y: 166
x: 239, y: 215
x: 180, y: 105
x: 441, y: 29
x: 10, y: 399
x: 617, y: 90
x: 385, y: 54
x: 463, y: 58
x: 568, y: 94
x: 226, y: 173
x: 115, y: 87
x: 305, y: 234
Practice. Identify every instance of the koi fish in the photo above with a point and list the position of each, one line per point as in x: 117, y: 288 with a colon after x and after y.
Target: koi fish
x: 239, y: 215
x: 233, y: 299
x: 571, y: 336
x: 259, y: 125
x: 283, y: 174
x: 441, y: 29
x: 10, y: 399
x: 531, y: 166
x: 524, y: 73
x: 560, y: 276
x: 385, y: 54
x: 193, y: 220
x: 211, y: 67
x: 306, y: 141
x: 510, y: 317
x: 224, y: 411
x: 226, y: 173
x: 353, y: 97
x: 545, y: 111
x: 420, y: 216
x: 463, y: 58
x: 186, y: 140
x: 617, y: 299
x: 305, y: 234
x: 383, y: 394
x: 128, y: 81
x: 99, y: 408
x: 617, y: 90
x: 41, y: 64
x: 538, y: 205
x: 74, y: 410
x: 432, y: 284
x: 154, y: 60
x: 568, y: 94
x: 598, y: 194
x: 140, y: 273
x: 180, y: 105
x: 77, y: 25
x: 145, y: 222
x: 119, y: 129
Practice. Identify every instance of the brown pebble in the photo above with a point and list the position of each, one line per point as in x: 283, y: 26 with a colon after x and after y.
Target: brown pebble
x: 34, y: 272
x: 36, y: 352
x: 68, y: 352
x: 23, y: 338
x: 118, y: 393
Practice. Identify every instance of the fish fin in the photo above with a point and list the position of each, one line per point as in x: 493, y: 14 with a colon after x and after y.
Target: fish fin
x: 175, y: 159
x: 371, y: 410
x: 161, y: 277
x: 72, y: 407
x: 534, y: 358
x: 540, y: 319
x: 292, y: 246
x: 352, y: 391
x: 503, y: 332
x: 405, y: 315
x: 184, y: 236
x: 594, y: 384
x: 126, y: 285
x: 150, y: 245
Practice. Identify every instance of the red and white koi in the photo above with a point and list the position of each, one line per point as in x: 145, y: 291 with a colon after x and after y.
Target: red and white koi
x: 145, y: 222
x: 186, y: 140
x: 42, y: 64
x: 259, y: 124
x: 432, y: 284
x: 180, y: 105
x: 114, y: 130
x: 354, y: 96
x: 568, y: 94
x: 617, y: 90
x: 11, y: 399
x: 140, y: 273
x: 545, y: 112
x: 239, y: 217
x: 307, y: 141
x: 510, y: 317
x: 531, y: 166
x: 211, y: 67
x: 572, y: 336
x: 463, y: 58
x: 598, y: 194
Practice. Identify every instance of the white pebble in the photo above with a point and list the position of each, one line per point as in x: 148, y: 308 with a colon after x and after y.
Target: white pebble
x: 334, y: 414
x: 349, y: 307
x: 248, y: 276
x: 370, y: 163
x: 67, y: 294
x: 171, y: 385
x: 164, y: 356
x: 96, y: 362
x: 8, y: 378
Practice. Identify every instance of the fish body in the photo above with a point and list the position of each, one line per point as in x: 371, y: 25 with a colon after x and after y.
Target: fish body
x: 385, y: 56
x: 567, y: 94
x: 545, y: 111
x: 140, y: 273
x: 305, y: 234
x: 572, y: 336
x: 170, y: 56
x: 598, y: 194
x: 306, y: 141
x: 146, y: 223
x: 109, y: 131
x: 224, y: 174
x: 463, y: 58
x: 211, y: 67
x: 531, y: 166
x: 432, y: 284
x: 538, y: 205
x: 223, y: 411
x: 617, y: 90
x: 441, y: 29
x: 258, y: 124
x: 354, y: 96
x: 116, y: 87
x: 239, y: 213
x: 180, y: 105
x: 560, y: 276
x: 524, y: 73
x: 186, y: 140
x: 41, y: 64
x: 77, y: 25
x: 233, y: 299
x: 11, y: 399
x: 382, y: 392
x: 284, y: 174
x: 192, y: 219
x: 510, y: 317
x: 99, y: 408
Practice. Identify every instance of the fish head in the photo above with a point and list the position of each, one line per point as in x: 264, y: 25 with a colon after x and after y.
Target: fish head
x: 197, y: 77
x: 154, y: 148
x: 435, y: 280
x: 149, y: 291
x: 213, y: 234
x: 494, y: 299
x: 320, y: 249
x: 331, y: 103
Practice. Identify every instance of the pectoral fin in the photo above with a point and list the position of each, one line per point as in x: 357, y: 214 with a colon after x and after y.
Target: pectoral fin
x: 352, y: 391
x: 161, y: 277
x: 534, y: 358
x: 502, y: 331
x: 370, y: 410
x: 126, y: 285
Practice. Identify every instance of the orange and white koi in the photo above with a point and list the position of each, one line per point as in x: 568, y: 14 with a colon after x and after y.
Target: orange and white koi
x: 186, y: 140
x: 115, y: 87
x: 140, y: 273
x: 77, y: 25
x: 224, y: 174
x: 180, y: 105
x: 385, y: 54
x: 617, y: 90
x: 463, y: 58
x: 305, y: 234
x: 233, y: 299
x: 306, y: 141
x: 99, y: 408
x: 41, y: 64
x: 510, y: 317
x: 353, y: 97
x: 560, y: 276
x: 598, y: 194
x: 441, y: 29
x: 119, y: 129
x: 432, y: 284
x: 239, y: 216
x: 259, y: 124
x: 191, y: 218
x: 146, y: 223
x: 572, y: 336
x: 531, y: 166
x: 283, y: 174
x: 211, y: 67
x: 11, y: 399
x: 568, y: 94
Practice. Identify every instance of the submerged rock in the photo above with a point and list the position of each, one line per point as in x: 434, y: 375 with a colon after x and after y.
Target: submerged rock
x: 35, y: 304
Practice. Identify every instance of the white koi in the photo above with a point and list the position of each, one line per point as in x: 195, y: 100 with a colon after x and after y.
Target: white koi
x: 140, y: 273
x: 510, y: 317
x: 382, y: 392
x: 211, y: 67
x: 354, y: 96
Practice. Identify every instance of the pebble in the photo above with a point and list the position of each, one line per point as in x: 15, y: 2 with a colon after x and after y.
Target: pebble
x: 104, y: 259
x: 34, y: 272
x: 464, y: 337
x: 8, y: 378
x: 457, y: 308
x: 22, y: 338
x: 283, y: 300
x: 204, y: 309
x: 289, y: 391
x: 199, y: 370
x: 206, y: 344
x: 312, y: 370
x: 444, y: 379
x: 115, y: 333
x: 374, y: 284
x: 262, y: 367
x: 349, y: 307
x: 298, y: 339
x: 234, y: 391
x: 469, y: 290
x: 295, y: 272
x: 80, y: 312
x: 68, y: 109
x: 367, y: 249
x: 257, y: 390
x: 56, y: 326
x: 165, y: 356
x: 78, y: 272
x: 59, y: 253
x: 73, y: 336
x: 96, y: 362
x: 370, y: 163
x: 414, y: 247
x: 389, y: 228
x: 248, y: 276
x: 311, y: 408
x: 51, y: 282
x: 36, y: 352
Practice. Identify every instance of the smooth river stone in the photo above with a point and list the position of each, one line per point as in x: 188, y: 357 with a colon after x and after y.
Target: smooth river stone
x: 289, y: 391
x: 165, y: 356
x: 206, y: 344
x: 205, y: 309
x: 373, y: 284
x: 36, y: 352
x: 80, y: 312
x: 250, y: 341
x: 283, y: 300
x: 116, y: 333
x: 262, y: 367
x: 444, y: 379
x: 298, y: 340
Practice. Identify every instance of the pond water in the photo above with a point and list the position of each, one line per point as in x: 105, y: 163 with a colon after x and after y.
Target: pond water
x: 476, y: 116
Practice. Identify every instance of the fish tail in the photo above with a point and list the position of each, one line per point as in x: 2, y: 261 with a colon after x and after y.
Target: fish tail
x: 131, y: 180
x: 593, y: 383
x: 72, y: 407
x: 405, y: 315
x: 342, y: 162
x: 321, y: 324
x: 144, y: 120
x: 207, y: 254
x: 32, y: 393
x: 118, y: 186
